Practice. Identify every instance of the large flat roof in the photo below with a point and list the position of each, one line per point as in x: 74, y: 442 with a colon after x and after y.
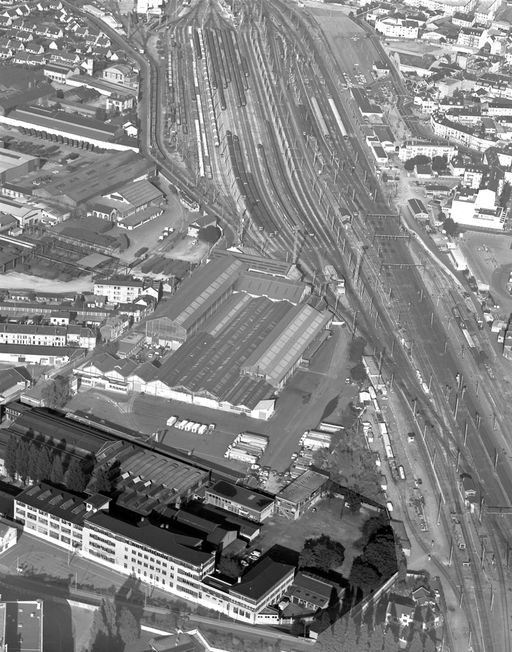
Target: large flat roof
x: 23, y: 622
x: 107, y: 173
x: 10, y: 159
x: 151, y: 536
x: 208, y: 365
x: 57, y: 502
x: 241, y: 495
x: 261, y: 579
x: 67, y: 122
x: 284, y: 345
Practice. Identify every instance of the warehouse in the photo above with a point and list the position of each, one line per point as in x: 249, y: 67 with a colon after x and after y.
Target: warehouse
x: 77, y: 131
x: 417, y: 209
x: 279, y: 355
x: 100, y: 177
x: 198, y: 297
x: 15, y: 164
x: 297, y: 497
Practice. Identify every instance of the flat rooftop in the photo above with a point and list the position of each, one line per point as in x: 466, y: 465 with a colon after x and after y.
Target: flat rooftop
x: 261, y: 579
x: 23, y: 625
x: 241, y: 495
x: 152, y: 536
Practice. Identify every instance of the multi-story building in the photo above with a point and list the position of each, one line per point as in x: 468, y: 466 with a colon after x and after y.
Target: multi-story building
x: 411, y: 148
x: 33, y: 335
x: 445, y: 128
x: 123, y: 289
x: 472, y: 37
x: 51, y: 514
x: 154, y: 555
x: 394, y: 27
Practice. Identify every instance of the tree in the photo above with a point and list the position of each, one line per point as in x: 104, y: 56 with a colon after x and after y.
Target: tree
x: 57, y: 470
x: 450, y: 227
x: 22, y: 459
x: 439, y: 163
x: 356, y: 349
x: 10, y: 456
x: 102, y: 479
x: 358, y: 373
x: 45, y: 463
x: 128, y: 627
x: 505, y: 194
x: 230, y: 566
x: 364, y: 575
x: 411, y: 163
x: 353, y: 500
x: 75, y: 478
x: 56, y: 393
x: 322, y: 553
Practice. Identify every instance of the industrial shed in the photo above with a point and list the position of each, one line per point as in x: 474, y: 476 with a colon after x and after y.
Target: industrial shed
x: 277, y: 357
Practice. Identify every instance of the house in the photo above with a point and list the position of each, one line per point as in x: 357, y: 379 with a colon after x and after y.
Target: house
x: 118, y: 74
x: 400, y: 610
x: 13, y: 382
x: 423, y: 596
x: 200, y: 223
x: 311, y: 592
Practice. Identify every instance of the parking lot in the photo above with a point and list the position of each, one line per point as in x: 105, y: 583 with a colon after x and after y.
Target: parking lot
x: 301, y: 406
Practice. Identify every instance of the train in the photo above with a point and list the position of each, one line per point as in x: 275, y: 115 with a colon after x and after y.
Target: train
x: 319, y: 117
x: 338, y: 119
x: 258, y: 210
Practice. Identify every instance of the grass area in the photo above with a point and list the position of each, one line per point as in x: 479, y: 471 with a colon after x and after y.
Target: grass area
x: 330, y: 518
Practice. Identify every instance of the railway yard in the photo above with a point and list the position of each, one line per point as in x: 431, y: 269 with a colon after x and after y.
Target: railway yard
x: 256, y: 104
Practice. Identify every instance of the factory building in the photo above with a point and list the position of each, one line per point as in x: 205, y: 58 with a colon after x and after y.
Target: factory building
x: 15, y: 164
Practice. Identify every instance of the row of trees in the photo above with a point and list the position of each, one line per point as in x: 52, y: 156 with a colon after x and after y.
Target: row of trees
x: 114, y: 627
x: 33, y: 458
x: 381, y: 556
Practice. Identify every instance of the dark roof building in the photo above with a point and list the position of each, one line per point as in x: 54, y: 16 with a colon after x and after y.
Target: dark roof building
x: 310, y: 591
x: 249, y: 503
x: 57, y: 502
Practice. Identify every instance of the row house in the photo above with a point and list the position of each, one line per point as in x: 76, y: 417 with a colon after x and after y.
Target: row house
x: 411, y: 148
x: 28, y: 59
x: 445, y: 128
x: 33, y: 335
x: 393, y: 27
